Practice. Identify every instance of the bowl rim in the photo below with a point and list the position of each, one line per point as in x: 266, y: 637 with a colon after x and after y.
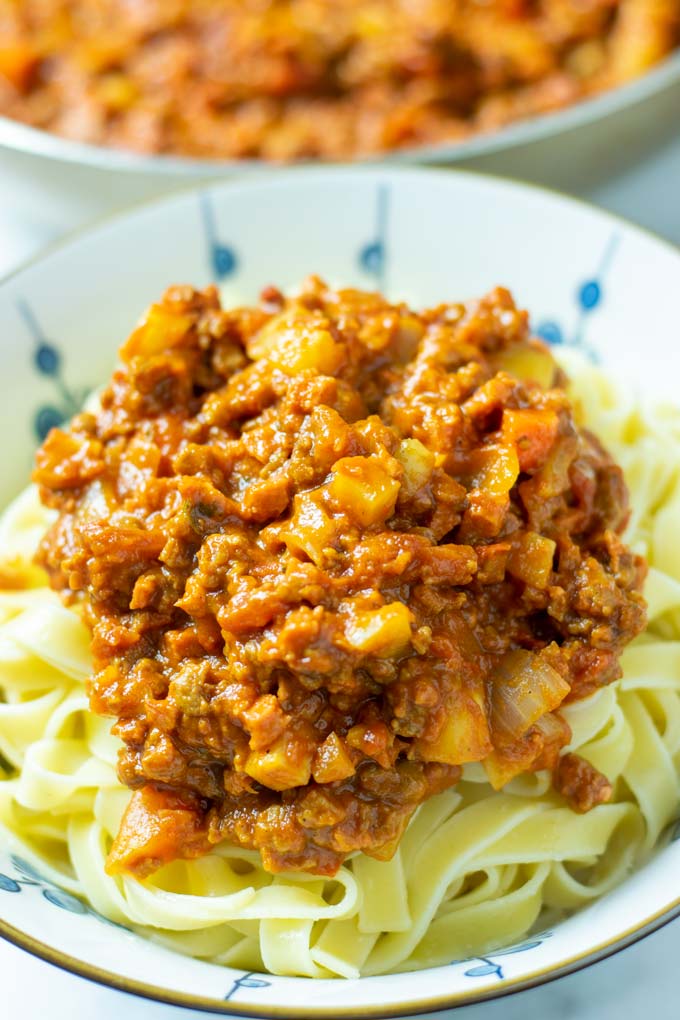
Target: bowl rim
x: 412, y: 1008
x: 20, y: 137
x: 510, y: 986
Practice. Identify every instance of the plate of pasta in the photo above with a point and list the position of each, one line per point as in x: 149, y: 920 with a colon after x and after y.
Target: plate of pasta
x: 339, y: 592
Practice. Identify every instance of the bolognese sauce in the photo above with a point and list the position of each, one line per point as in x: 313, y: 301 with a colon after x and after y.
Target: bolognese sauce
x: 300, y: 79
x: 331, y: 550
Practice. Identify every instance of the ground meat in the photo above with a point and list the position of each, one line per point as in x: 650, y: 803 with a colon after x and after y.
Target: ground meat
x: 331, y: 549
x: 298, y: 79
x: 580, y: 783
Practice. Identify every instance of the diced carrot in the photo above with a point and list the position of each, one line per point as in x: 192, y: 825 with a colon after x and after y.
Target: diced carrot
x: 18, y: 63
x: 532, y: 432
x: 158, y: 827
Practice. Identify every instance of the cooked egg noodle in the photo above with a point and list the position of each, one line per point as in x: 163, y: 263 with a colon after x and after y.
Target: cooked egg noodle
x: 475, y: 869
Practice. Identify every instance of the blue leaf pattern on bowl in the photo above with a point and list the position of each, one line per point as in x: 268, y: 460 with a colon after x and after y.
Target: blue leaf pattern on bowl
x: 550, y: 331
x: 48, y: 362
x: 248, y: 980
x: 47, y: 359
x: 488, y: 966
x: 589, y: 296
x: 31, y: 876
x: 8, y: 884
x: 373, y: 257
x: 26, y: 869
x: 64, y: 900
x: 222, y: 258
x: 485, y: 970
x: 46, y: 419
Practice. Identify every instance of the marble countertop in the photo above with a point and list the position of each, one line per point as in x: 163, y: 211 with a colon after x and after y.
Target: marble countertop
x: 630, y: 166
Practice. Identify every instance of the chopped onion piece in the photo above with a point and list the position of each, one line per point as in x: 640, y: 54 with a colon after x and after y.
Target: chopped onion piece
x: 525, y: 687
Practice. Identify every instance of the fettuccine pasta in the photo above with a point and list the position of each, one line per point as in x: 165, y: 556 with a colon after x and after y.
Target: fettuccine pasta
x: 476, y: 869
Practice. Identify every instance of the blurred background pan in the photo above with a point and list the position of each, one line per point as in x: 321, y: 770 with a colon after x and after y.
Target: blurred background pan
x: 57, y: 184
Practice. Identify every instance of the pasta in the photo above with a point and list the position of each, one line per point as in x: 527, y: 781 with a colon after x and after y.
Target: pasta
x: 475, y: 869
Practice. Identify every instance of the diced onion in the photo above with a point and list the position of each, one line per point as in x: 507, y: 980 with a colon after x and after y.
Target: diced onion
x: 525, y: 687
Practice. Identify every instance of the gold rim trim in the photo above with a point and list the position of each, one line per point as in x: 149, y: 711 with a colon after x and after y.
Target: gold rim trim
x: 421, y: 1006
x: 410, y: 1008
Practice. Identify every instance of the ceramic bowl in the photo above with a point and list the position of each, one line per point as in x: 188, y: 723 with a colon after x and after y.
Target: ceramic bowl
x: 590, y: 281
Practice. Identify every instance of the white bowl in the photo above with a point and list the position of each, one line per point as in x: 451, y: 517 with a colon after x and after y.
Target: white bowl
x: 589, y: 280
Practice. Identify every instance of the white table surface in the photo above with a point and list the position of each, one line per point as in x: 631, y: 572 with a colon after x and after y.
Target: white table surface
x: 632, y: 167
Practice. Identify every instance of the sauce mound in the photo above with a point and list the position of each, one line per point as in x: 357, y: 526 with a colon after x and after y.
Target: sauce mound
x: 332, y: 549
